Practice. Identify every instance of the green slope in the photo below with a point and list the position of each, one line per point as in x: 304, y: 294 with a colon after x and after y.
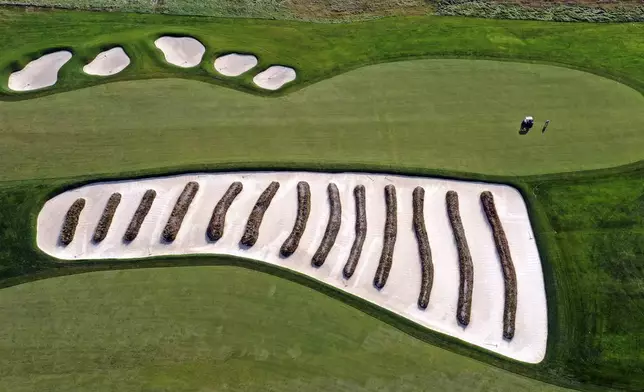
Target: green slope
x: 215, y: 328
x: 458, y: 115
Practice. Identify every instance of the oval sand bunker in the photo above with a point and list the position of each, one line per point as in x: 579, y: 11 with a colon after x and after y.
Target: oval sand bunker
x: 108, y: 63
x: 274, y: 77
x: 185, y: 52
x: 40, y: 73
x: 235, y: 64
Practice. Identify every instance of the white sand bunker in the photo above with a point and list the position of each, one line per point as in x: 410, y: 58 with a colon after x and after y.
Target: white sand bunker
x: 401, y: 291
x: 235, y: 64
x: 274, y: 77
x: 185, y: 52
x: 40, y: 73
x: 108, y: 63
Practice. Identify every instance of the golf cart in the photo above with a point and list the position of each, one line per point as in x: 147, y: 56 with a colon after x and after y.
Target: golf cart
x: 526, y: 125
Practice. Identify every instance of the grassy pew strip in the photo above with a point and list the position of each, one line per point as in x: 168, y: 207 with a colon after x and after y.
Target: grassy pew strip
x: 332, y: 227
x: 509, y: 274
x: 425, y: 252
x: 361, y: 231
x: 303, y: 210
x: 105, y: 222
x: 71, y: 221
x: 179, y: 211
x: 251, y: 234
x: 139, y: 215
x: 391, y: 229
x: 465, y: 265
x: 215, y: 228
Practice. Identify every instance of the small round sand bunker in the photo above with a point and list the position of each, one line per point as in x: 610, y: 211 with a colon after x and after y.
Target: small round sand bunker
x: 274, y: 77
x: 107, y: 63
x: 40, y: 73
x: 185, y: 52
x: 235, y: 64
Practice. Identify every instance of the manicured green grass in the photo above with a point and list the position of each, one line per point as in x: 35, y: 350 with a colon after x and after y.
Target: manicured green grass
x: 458, y: 115
x: 215, y: 328
x: 588, y: 226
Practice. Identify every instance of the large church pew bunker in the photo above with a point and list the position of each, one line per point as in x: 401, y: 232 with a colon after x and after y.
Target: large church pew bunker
x: 456, y: 257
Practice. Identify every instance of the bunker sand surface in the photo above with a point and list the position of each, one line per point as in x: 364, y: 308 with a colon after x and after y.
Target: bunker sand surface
x: 400, y: 295
x: 39, y: 73
x: 235, y: 64
x: 275, y: 77
x: 109, y: 62
x: 184, y: 52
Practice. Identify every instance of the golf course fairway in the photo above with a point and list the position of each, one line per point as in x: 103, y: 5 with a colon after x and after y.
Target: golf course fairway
x: 458, y: 115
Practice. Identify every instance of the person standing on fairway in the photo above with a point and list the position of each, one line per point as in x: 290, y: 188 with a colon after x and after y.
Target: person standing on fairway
x: 543, y: 130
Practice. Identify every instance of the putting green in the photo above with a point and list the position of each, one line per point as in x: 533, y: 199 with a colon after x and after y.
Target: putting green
x: 459, y: 115
x: 189, y: 329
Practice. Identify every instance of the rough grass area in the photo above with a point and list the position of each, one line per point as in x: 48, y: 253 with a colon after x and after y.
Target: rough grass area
x: 317, y: 10
x: 598, y: 226
x: 557, y: 11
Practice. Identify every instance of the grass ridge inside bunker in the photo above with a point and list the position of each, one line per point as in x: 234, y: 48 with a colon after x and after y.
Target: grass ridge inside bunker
x: 179, y: 211
x: 332, y: 227
x: 465, y: 265
x: 303, y: 210
x: 424, y: 250
x: 359, y: 195
x: 141, y: 212
x: 105, y: 221
x: 509, y: 273
x: 251, y: 234
x: 71, y: 221
x: 217, y: 222
x: 390, y: 233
